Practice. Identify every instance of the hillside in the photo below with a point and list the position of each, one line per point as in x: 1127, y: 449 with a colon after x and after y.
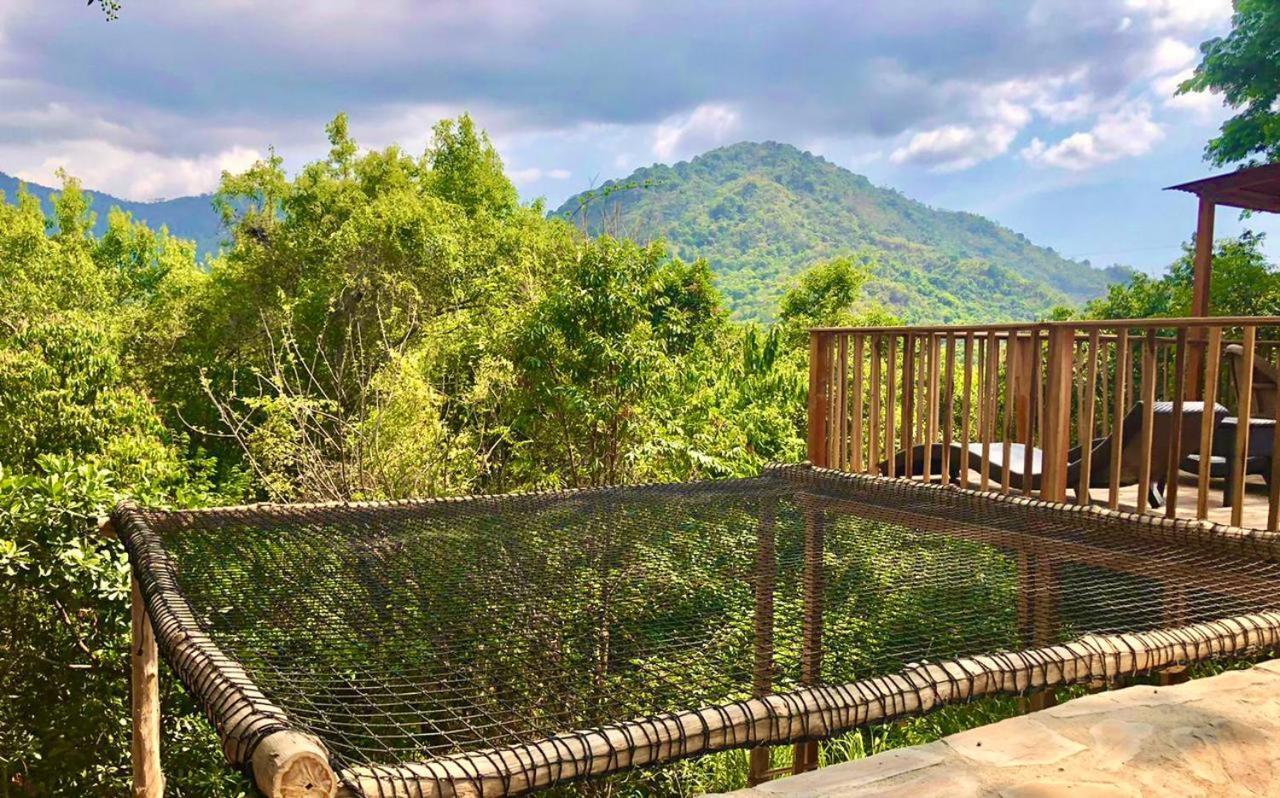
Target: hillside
x: 189, y: 217
x: 759, y: 213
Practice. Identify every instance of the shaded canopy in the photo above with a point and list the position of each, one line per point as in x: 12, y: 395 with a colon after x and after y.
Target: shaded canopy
x: 1256, y: 188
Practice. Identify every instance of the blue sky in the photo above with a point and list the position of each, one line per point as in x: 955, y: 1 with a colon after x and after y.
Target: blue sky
x: 1054, y: 117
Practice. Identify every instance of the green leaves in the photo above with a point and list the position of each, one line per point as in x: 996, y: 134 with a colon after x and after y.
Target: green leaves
x: 1244, y: 66
x: 1244, y: 284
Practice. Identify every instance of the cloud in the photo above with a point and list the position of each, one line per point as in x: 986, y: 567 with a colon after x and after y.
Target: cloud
x: 939, y: 86
x: 1182, y: 14
x: 1171, y: 55
x: 707, y: 126
x: 132, y: 174
x: 533, y: 174
x: 1126, y: 133
x: 954, y: 147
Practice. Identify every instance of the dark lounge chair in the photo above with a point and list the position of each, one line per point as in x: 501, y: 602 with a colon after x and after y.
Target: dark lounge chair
x: 1262, y: 425
x: 1129, y: 436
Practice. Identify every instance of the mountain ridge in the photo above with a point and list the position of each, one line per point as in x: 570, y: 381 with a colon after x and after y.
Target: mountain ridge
x: 191, y: 217
x: 760, y: 212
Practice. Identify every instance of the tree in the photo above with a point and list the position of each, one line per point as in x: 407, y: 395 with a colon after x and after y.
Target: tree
x: 1243, y: 66
x: 466, y: 169
x: 1244, y: 284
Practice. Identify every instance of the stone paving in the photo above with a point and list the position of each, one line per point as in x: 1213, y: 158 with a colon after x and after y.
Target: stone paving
x: 1218, y: 736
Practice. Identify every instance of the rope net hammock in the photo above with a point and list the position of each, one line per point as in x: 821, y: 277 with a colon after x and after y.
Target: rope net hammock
x: 494, y: 645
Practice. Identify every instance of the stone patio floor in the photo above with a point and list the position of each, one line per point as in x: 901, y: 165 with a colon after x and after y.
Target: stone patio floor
x: 1217, y: 736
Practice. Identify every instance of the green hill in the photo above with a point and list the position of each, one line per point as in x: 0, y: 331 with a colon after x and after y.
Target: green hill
x: 760, y: 213
x: 188, y: 217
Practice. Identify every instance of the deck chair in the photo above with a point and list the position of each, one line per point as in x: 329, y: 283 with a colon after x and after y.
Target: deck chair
x: 1128, y: 437
x: 1266, y: 382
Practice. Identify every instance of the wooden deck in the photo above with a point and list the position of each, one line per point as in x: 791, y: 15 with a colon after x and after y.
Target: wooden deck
x: 1217, y: 736
x: 1255, y: 503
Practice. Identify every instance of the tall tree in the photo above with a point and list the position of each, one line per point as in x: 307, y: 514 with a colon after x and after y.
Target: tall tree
x: 1244, y: 66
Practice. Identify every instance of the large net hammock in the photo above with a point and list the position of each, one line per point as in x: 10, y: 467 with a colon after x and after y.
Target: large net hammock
x: 494, y: 645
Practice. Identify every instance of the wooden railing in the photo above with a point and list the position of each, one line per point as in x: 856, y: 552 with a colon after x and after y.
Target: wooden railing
x: 1107, y: 411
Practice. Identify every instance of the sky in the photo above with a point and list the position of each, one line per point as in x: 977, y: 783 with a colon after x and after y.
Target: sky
x: 1056, y: 118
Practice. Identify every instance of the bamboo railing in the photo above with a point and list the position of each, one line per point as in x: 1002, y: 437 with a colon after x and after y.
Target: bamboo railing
x: 957, y: 404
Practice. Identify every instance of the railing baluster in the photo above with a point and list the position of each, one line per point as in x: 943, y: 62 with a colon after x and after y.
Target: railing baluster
x: 987, y: 398
x: 1057, y: 414
x: 1035, y: 391
x: 842, y: 402
x: 1010, y: 383
x: 966, y: 407
x: 949, y: 380
x: 1273, y: 487
x: 931, y: 410
x: 908, y: 404
x: 891, y: 408
x: 1085, y: 433
x: 873, y: 435
x: 1103, y: 394
x: 1179, y: 379
x: 1118, y: 417
x: 1245, y: 398
x: 1213, y: 355
x: 1148, y: 418
x: 856, y: 422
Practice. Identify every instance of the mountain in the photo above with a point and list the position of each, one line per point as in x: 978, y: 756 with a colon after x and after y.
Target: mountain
x: 187, y: 217
x: 761, y: 212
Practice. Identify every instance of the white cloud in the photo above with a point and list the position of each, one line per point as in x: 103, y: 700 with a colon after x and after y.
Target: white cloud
x: 709, y: 125
x: 951, y: 148
x: 1171, y: 55
x: 1183, y: 14
x: 533, y: 174
x: 1204, y: 104
x: 1125, y: 133
x: 131, y: 174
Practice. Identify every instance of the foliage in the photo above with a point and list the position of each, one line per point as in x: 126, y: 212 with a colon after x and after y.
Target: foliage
x: 1243, y: 67
x: 379, y: 325
x: 77, y: 433
x: 762, y: 213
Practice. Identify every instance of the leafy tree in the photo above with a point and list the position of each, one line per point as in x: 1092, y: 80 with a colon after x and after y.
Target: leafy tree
x: 1243, y: 66
x: 78, y: 432
x: 1244, y: 284
x: 381, y: 325
x: 467, y: 171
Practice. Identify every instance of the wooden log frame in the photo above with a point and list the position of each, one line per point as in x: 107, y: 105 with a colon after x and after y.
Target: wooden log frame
x: 288, y: 763
x: 810, y: 713
x: 285, y: 762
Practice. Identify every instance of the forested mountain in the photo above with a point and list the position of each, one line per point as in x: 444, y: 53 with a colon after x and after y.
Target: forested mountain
x: 193, y: 218
x: 760, y: 213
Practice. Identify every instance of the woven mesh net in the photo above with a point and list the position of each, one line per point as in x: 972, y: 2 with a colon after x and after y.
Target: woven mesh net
x: 402, y: 633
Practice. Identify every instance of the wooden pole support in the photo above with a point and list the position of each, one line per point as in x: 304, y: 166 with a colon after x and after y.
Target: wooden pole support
x: 290, y: 764
x: 144, y: 694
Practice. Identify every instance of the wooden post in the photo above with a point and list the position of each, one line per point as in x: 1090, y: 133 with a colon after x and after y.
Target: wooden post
x: 1174, y: 466
x: 1237, y: 471
x: 819, y: 383
x: 762, y: 675
x: 806, y: 754
x: 1201, y: 278
x: 144, y: 694
x: 1207, y: 422
x: 1057, y: 413
x: 1024, y: 353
